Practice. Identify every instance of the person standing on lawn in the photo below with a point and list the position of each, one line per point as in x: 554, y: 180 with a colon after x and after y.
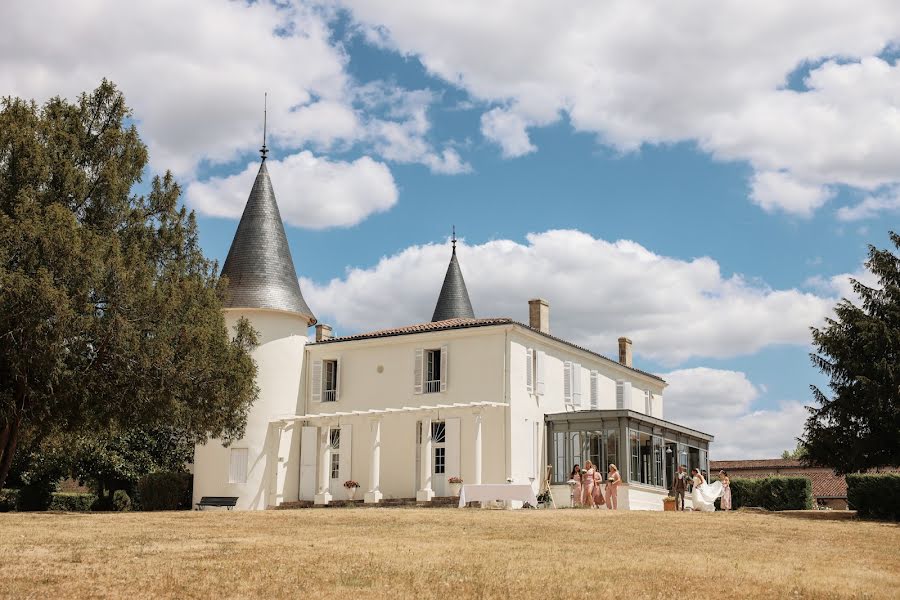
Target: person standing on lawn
x: 725, y: 502
x: 612, y: 488
x: 587, y: 484
x: 679, y: 486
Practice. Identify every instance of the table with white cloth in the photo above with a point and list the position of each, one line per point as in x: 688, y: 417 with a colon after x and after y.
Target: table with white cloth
x: 486, y: 492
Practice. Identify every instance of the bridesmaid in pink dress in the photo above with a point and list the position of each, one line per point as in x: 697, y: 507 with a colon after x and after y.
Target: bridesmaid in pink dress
x: 587, y: 484
x: 598, y: 493
x: 576, y: 491
x: 612, y: 488
x: 725, y: 502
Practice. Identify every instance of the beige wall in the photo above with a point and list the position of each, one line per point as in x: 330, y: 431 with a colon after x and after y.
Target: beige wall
x: 279, y: 358
x: 379, y: 373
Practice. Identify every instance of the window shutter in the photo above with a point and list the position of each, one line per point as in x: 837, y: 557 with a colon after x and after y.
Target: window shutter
x: 567, y: 382
x: 337, y: 379
x: 541, y: 360
x: 648, y: 403
x: 419, y: 371
x: 317, y: 381
x: 620, y: 395
x: 444, y: 361
x: 529, y: 371
x: 237, y: 468
x: 346, y: 459
x: 595, y: 401
x: 576, y: 385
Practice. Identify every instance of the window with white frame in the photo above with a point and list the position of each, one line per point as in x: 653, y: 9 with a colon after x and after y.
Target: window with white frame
x: 439, y: 436
x: 237, y: 466
x: 432, y: 371
x: 329, y: 380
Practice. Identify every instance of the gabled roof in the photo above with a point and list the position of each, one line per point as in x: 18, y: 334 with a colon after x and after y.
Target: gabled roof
x: 259, y: 266
x: 449, y: 324
x: 453, y: 301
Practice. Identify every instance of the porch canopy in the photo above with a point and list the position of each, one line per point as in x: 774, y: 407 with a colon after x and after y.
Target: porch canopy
x: 647, y: 450
x: 375, y: 416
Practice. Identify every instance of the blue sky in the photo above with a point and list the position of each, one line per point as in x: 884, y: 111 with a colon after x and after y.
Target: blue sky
x: 707, y: 195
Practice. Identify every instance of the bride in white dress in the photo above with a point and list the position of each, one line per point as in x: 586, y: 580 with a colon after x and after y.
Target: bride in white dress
x: 704, y: 494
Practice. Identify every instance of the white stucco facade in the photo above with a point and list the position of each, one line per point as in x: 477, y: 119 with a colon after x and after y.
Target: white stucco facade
x: 279, y: 360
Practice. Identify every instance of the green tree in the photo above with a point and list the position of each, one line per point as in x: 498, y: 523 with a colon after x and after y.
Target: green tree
x: 858, y: 427
x: 110, y: 315
x: 797, y: 453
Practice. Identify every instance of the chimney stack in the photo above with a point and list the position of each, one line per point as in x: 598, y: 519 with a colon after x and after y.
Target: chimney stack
x: 539, y: 315
x: 323, y: 332
x: 625, y: 351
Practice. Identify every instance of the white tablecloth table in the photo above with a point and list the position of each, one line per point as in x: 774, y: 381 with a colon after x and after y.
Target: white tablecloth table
x: 486, y: 492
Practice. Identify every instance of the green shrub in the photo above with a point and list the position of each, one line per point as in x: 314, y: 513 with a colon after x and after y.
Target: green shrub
x: 121, y: 501
x: 875, y: 495
x: 772, y: 493
x: 165, y: 491
x: 36, y: 496
x: 785, y: 493
x: 744, y: 492
x: 8, y: 500
x: 72, y: 502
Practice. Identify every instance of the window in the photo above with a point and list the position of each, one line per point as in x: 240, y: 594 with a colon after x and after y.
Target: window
x: 648, y: 402
x: 658, y: 473
x: 237, y: 467
x: 561, y: 468
x: 612, y: 450
x: 671, y: 461
x: 643, y: 461
x: 595, y: 395
x: 334, y: 438
x: 595, y: 448
x: 438, y: 432
x: 335, y: 465
x: 432, y: 371
x: 634, y: 446
x: 329, y: 380
x: 623, y: 395
x: 440, y: 460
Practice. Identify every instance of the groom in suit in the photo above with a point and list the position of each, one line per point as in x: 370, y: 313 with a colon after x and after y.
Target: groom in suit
x: 679, y: 486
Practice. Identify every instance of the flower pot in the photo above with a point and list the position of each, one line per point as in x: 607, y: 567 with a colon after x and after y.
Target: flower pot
x: 454, y: 488
x: 669, y: 504
x: 351, y: 493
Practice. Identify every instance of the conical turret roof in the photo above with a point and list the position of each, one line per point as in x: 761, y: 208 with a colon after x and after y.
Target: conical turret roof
x: 453, y: 302
x: 259, y: 266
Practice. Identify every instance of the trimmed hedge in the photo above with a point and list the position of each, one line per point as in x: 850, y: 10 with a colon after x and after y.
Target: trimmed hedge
x: 121, y: 501
x: 165, y: 491
x: 9, y: 498
x: 875, y: 495
x: 72, y: 502
x: 772, y: 493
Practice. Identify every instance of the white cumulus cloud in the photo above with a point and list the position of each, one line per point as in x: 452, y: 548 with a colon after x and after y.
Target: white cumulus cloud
x: 774, y: 191
x: 722, y: 403
x: 673, y: 309
x: 312, y: 192
x: 712, y: 73
x: 509, y: 130
x: 872, y: 206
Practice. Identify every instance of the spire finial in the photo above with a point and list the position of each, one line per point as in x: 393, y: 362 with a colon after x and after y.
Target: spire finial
x: 453, y: 239
x: 263, y: 151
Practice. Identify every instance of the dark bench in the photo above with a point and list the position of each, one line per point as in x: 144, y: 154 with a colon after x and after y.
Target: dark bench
x: 219, y: 501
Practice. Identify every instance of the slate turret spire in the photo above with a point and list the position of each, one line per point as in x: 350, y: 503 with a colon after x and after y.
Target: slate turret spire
x: 259, y: 266
x: 453, y: 301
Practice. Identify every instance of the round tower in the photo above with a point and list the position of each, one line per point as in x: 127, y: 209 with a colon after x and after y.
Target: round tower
x: 263, y: 287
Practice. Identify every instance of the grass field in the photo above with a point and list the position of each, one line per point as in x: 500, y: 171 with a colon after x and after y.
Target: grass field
x: 444, y: 553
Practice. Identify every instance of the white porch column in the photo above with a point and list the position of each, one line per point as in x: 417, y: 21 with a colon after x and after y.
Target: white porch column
x: 478, y: 448
x: 373, y: 496
x: 426, y: 493
x: 324, y: 495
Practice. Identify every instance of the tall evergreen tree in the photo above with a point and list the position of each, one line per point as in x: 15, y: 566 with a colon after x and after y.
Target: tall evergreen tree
x: 110, y: 316
x: 858, y: 427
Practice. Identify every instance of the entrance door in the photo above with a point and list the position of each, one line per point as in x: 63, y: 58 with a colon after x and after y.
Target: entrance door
x: 444, y: 454
x: 439, y: 457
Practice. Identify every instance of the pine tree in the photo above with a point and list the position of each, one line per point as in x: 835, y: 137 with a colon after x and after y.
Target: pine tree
x: 110, y: 315
x: 857, y: 428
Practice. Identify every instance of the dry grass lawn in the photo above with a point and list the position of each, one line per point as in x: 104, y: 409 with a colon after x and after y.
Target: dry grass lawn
x: 444, y: 553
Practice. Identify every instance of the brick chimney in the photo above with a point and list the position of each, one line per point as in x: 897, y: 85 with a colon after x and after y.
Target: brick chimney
x: 323, y: 332
x: 625, y: 351
x: 539, y: 315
